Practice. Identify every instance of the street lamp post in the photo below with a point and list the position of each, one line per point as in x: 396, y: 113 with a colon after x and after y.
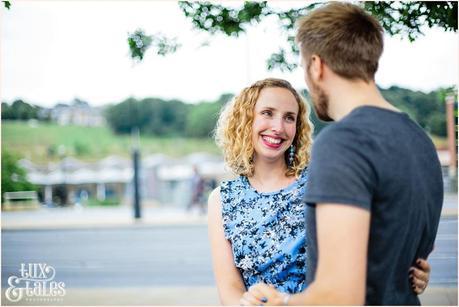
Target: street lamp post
x: 136, y: 165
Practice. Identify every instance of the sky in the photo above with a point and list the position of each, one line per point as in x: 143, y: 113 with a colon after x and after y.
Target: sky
x: 55, y: 51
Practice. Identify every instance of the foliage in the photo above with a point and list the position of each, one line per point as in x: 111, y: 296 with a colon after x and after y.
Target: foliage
x: 13, y: 176
x: 19, y: 110
x: 173, y: 118
x: 81, y: 149
x: 397, y: 18
x: 437, y: 124
x: 407, y: 18
x: 168, y: 117
x: 150, y: 115
x: 139, y: 42
x: 7, y: 4
x: 427, y: 109
x: 420, y: 106
x: 109, y: 202
x: 215, y: 18
x: 201, y: 119
x: 175, y: 128
x: 163, y: 118
x: 224, y: 98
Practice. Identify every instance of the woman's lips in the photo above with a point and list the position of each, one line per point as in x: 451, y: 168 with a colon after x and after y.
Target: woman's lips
x: 271, y: 142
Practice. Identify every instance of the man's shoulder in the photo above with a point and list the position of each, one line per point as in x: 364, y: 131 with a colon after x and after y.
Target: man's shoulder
x: 339, y: 132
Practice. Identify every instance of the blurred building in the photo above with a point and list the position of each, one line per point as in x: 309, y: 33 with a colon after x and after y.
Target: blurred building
x: 78, y: 113
x: 175, y: 177
x: 72, y: 181
x: 163, y: 180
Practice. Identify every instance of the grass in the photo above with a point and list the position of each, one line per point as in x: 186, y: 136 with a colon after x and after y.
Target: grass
x: 49, y: 141
x: 43, y: 142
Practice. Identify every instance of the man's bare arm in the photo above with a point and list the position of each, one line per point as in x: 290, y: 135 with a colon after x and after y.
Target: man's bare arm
x: 342, y: 238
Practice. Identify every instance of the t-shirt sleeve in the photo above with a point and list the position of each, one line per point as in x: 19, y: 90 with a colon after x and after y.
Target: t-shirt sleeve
x: 341, y: 169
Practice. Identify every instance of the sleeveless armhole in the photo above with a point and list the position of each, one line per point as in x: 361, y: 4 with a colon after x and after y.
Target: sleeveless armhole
x: 225, y: 210
x: 303, y: 177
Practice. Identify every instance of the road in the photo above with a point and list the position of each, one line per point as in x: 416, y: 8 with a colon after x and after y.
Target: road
x: 444, y: 257
x: 154, y: 256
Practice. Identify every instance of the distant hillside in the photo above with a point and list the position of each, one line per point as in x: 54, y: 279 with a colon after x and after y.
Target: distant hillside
x: 171, y: 127
x: 41, y: 141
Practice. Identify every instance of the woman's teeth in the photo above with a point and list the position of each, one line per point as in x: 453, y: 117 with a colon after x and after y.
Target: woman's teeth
x: 272, y: 140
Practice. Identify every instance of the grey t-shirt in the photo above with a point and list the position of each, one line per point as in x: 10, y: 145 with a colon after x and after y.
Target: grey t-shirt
x: 382, y: 161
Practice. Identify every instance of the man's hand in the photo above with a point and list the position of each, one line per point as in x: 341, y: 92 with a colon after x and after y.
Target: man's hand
x: 419, y: 276
x: 263, y: 295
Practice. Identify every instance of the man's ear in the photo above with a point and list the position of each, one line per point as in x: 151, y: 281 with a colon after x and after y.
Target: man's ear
x: 316, y: 68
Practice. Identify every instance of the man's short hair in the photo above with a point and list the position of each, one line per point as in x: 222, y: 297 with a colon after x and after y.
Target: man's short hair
x: 345, y: 37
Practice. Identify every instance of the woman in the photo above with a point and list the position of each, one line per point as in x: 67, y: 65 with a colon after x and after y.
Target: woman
x: 256, y: 222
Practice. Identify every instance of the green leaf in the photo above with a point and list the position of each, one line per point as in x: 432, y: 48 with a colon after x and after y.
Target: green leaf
x: 7, y: 4
x: 398, y: 18
x: 139, y: 43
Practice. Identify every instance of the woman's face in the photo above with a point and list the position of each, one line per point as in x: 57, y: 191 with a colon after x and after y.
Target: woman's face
x: 274, y: 123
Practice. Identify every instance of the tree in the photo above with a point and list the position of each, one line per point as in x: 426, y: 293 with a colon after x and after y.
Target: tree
x: 210, y: 111
x: 397, y: 18
x: 437, y: 124
x: 6, y: 111
x: 427, y: 109
x: 167, y: 117
x: 14, y: 178
x: 417, y: 104
x: 201, y: 119
x: 127, y: 115
x: 224, y: 98
x: 150, y: 115
x: 19, y: 110
x: 139, y: 42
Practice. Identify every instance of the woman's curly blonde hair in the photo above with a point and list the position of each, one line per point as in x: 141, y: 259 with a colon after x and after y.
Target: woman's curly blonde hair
x: 233, y: 133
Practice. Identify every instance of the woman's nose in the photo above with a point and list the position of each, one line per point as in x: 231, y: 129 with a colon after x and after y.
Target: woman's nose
x: 277, y: 125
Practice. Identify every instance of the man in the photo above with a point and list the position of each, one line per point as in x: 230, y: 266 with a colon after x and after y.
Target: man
x: 375, y: 186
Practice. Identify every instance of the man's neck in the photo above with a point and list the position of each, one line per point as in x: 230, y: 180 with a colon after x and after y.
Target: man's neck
x: 346, y: 96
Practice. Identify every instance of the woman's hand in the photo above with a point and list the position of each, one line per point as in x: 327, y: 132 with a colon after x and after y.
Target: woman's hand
x: 263, y: 295
x: 419, y: 276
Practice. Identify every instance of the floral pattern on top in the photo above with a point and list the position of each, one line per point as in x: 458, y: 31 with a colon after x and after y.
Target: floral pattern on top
x: 267, y: 232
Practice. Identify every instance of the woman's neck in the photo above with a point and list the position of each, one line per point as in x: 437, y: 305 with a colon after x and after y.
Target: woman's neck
x: 270, y: 176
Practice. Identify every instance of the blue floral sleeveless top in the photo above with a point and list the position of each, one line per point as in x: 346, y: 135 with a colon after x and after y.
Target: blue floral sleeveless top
x: 267, y: 232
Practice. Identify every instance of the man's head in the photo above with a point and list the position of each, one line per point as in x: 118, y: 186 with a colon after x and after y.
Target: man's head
x: 346, y: 39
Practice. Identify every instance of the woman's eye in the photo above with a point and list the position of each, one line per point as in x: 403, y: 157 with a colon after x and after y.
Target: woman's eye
x: 266, y: 112
x: 290, y: 118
